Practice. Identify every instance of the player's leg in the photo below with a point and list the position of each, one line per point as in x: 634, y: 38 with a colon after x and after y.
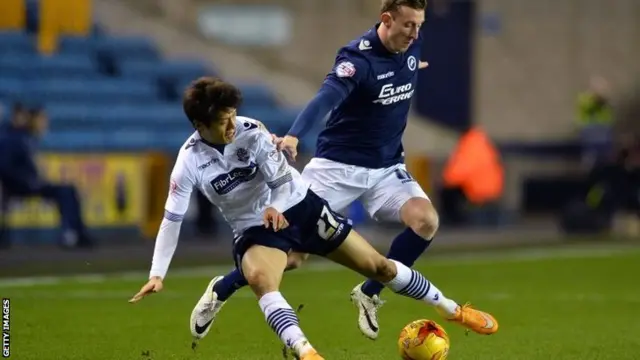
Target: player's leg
x: 396, y: 197
x: 233, y: 281
x: 263, y: 268
x: 219, y: 290
x: 357, y: 254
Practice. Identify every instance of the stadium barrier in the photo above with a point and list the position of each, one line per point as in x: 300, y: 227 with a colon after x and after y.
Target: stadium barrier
x: 118, y: 191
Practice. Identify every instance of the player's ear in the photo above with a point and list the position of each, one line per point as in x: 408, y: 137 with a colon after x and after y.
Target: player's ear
x: 386, y: 18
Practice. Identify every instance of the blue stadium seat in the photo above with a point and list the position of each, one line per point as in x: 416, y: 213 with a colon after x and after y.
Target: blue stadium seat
x: 104, y: 91
x: 16, y: 42
x: 181, y: 70
x: 131, y: 140
x: 129, y: 47
x: 35, y: 66
x: 72, y: 115
x: 258, y: 95
x: 74, y: 140
x: 67, y: 65
x: 276, y: 120
x: 155, y: 114
x: 149, y: 115
x: 11, y: 89
x: 171, y: 140
x: 15, y: 65
x: 77, y: 45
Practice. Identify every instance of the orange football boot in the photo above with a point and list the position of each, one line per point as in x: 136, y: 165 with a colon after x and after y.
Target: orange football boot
x: 311, y: 355
x: 475, y: 320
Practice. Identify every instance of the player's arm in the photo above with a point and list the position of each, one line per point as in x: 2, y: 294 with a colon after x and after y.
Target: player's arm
x: 176, y: 206
x: 348, y: 71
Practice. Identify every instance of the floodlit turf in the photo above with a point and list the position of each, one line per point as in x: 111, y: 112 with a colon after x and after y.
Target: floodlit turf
x: 572, y: 307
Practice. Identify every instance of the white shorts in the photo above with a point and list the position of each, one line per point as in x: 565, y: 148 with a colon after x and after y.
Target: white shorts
x: 381, y: 191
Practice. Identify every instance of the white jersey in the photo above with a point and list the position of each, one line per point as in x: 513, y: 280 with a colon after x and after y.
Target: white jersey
x: 242, y: 182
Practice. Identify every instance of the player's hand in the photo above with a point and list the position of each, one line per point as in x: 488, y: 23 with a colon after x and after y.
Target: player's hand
x: 422, y: 65
x: 276, y: 140
x: 274, y: 218
x: 290, y: 146
x: 154, y: 285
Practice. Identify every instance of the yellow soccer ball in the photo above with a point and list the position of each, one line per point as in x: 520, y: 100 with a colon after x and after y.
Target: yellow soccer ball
x: 423, y: 340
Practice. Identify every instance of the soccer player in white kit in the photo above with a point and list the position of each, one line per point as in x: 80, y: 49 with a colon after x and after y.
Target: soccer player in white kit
x: 233, y: 161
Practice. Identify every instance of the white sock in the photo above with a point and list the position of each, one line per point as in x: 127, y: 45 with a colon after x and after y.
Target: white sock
x: 284, y: 321
x: 412, y: 284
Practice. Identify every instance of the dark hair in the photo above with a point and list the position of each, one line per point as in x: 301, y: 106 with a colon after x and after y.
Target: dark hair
x: 206, y: 97
x: 394, y: 5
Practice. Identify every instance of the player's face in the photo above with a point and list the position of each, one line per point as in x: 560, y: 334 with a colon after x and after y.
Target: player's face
x: 221, y: 131
x: 404, y: 27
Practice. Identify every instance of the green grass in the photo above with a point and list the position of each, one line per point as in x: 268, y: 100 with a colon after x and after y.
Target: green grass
x: 583, y: 306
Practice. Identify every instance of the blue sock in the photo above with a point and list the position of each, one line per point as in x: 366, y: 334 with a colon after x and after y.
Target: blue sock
x: 405, y: 248
x: 229, y: 284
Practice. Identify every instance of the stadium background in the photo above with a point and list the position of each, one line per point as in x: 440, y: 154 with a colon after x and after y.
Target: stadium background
x: 110, y: 76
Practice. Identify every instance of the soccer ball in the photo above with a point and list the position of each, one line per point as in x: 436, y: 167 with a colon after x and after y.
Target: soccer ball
x: 423, y: 340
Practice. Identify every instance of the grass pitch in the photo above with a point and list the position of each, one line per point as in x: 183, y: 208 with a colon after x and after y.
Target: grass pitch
x: 573, y: 303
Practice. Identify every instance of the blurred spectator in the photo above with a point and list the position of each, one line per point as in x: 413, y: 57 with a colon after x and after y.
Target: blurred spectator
x: 595, y: 121
x: 614, y: 187
x: 473, y: 178
x: 20, y: 178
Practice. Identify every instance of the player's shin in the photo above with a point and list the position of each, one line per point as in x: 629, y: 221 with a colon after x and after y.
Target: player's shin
x: 411, y: 283
x: 234, y: 280
x: 405, y: 248
x: 229, y: 284
x: 263, y: 268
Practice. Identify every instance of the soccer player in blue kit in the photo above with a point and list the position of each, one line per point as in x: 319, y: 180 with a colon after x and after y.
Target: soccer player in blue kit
x: 359, y: 154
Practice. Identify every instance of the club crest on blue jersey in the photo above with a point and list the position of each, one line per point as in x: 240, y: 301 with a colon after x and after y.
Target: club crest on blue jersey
x: 242, y: 154
x: 412, y: 62
x: 345, y: 69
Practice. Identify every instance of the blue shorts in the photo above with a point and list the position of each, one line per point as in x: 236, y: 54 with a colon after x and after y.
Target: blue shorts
x: 313, y: 229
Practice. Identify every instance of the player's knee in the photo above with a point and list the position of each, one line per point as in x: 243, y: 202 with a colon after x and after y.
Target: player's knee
x: 257, y: 277
x: 295, y: 260
x: 421, y: 217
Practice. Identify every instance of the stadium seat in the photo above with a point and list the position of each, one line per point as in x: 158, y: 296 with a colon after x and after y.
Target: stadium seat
x: 131, y: 140
x: 258, y: 95
x: 74, y: 140
x: 128, y: 48
x: 16, y: 42
x: 114, y: 93
x: 77, y: 45
x: 11, y: 89
x: 179, y: 70
x: 104, y: 91
x: 35, y: 66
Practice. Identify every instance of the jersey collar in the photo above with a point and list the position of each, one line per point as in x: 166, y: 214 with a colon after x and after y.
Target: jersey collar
x: 376, y: 43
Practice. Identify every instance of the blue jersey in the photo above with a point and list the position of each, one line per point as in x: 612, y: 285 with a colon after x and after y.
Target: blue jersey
x: 366, y: 128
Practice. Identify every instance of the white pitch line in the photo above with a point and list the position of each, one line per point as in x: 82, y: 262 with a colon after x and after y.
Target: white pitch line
x: 503, y: 256
x: 333, y: 295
